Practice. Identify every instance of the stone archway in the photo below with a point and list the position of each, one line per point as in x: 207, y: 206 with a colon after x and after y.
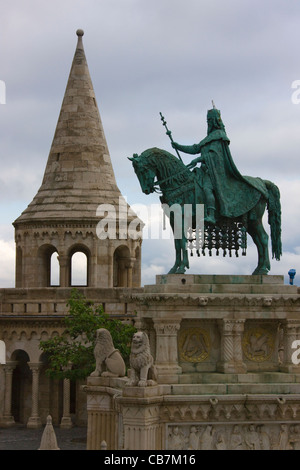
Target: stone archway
x: 79, y: 269
x: 21, y: 387
x: 122, y: 267
x: 85, y: 277
x: 43, y: 262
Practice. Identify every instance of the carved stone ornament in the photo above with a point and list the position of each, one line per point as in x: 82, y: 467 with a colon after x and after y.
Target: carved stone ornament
x: 143, y: 371
x: 194, y: 345
x: 109, y: 362
x: 235, y: 436
x: 258, y: 344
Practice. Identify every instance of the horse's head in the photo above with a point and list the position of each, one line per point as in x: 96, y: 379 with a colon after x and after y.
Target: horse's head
x: 144, y: 172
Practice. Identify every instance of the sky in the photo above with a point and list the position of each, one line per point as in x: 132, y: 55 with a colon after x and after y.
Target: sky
x: 169, y: 56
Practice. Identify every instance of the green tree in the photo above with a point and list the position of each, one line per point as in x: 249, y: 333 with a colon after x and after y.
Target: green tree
x: 75, y: 345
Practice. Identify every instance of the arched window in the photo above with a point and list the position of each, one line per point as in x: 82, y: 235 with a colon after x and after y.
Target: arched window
x: 21, y: 387
x: 2, y: 353
x: 54, y: 270
x: 44, y: 265
x: 120, y: 266
x: 79, y: 269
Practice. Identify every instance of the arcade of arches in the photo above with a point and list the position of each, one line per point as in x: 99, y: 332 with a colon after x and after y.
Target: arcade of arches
x: 30, y: 315
x: 29, y: 394
x: 46, y: 260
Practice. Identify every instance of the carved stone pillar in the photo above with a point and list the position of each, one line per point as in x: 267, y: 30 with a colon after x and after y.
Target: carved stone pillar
x: 231, y: 346
x: 92, y: 266
x: 122, y: 272
x: 34, y: 421
x: 8, y: 419
x: 64, y: 265
x: 166, y: 359
x: 142, y: 427
x: 66, y: 422
x: 129, y: 266
x: 291, y: 333
x: 103, y: 422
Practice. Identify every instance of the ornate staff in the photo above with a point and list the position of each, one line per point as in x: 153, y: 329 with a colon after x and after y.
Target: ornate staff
x: 169, y: 133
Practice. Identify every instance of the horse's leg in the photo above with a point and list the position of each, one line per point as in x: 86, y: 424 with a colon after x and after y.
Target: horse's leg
x: 184, y: 254
x: 260, y: 238
x: 174, y: 269
x: 184, y: 259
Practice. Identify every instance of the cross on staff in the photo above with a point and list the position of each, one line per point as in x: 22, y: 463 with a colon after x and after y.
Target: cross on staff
x: 169, y: 133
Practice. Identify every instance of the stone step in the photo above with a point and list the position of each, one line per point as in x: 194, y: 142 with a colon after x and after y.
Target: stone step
x: 218, y: 279
x: 272, y: 388
x: 250, y: 377
x: 242, y: 289
x: 235, y: 389
x: 220, y: 284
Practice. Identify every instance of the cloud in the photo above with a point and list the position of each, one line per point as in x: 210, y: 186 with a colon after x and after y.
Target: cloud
x: 7, y: 266
x: 146, y: 57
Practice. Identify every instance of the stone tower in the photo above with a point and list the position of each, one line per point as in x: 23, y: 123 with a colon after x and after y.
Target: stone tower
x: 62, y: 218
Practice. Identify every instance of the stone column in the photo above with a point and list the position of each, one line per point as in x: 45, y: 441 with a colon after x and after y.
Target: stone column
x: 66, y: 422
x: 92, y: 266
x: 166, y: 359
x: 8, y: 419
x: 34, y: 421
x: 231, y: 346
x: 122, y: 272
x: 110, y: 265
x: 291, y: 333
x: 129, y: 266
x: 64, y: 275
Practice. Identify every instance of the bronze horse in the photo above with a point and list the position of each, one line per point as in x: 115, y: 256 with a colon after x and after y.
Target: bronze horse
x: 159, y: 169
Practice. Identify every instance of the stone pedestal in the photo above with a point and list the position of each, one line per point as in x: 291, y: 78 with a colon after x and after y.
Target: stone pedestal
x: 103, y: 417
x: 222, y: 347
x: 166, y: 330
x: 140, y: 408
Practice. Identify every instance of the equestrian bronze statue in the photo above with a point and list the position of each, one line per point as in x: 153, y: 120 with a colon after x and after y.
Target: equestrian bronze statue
x: 233, y: 204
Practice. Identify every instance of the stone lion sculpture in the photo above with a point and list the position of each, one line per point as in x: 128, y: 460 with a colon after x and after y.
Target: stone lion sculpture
x: 109, y: 362
x: 142, y: 369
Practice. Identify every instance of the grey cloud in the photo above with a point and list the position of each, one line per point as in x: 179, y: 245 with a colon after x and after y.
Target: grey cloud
x: 146, y: 57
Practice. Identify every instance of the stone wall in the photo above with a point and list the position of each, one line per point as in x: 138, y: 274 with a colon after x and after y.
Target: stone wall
x: 222, y: 347
x: 28, y: 316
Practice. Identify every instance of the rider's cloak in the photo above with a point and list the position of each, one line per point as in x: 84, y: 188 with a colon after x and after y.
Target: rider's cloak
x: 235, y: 194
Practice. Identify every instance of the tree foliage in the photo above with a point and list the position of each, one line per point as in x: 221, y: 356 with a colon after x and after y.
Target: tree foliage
x: 71, y: 354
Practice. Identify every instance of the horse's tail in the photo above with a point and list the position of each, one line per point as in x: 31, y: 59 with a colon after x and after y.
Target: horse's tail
x: 274, y: 218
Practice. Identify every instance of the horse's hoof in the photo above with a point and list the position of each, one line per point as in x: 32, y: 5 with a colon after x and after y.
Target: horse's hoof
x: 261, y: 271
x: 172, y: 271
x: 181, y: 270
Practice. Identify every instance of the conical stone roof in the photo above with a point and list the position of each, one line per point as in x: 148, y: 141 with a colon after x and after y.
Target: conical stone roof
x: 79, y: 174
